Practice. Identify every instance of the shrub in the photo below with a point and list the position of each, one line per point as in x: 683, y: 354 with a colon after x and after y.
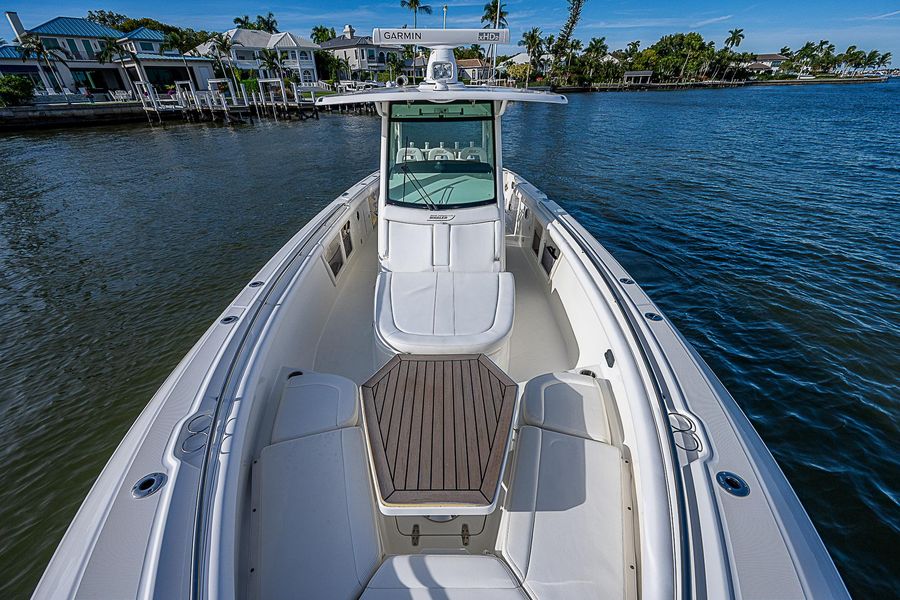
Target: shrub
x: 15, y: 90
x: 252, y: 84
x: 518, y: 72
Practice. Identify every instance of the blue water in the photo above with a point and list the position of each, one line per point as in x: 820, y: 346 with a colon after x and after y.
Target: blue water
x: 763, y: 221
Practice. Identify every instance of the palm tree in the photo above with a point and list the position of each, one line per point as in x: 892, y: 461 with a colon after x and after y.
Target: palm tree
x: 268, y: 23
x: 270, y: 60
x: 31, y: 46
x: 884, y: 60
x: 871, y: 60
x: 596, y: 49
x: 343, y: 66
x: 110, y: 51
x: 564, y: 38
x: 182, y: 41
x: 477, y: 50
x: 415, y: 6
x: 574, y: 46
x: 244, y: 22
x: 534, y: 46
x: 393, y: 63
x: 735, y: 37
x: 495, y: 14
x: 321, y: 34
x: 222, y: 45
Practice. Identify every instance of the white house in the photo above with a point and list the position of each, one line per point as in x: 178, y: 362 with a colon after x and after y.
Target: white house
x: 296, y: 53
x: 360, y: 52
x: 522, y: 59
x: 80, y: 40
x: 474, y: 69
x: 772, y: 61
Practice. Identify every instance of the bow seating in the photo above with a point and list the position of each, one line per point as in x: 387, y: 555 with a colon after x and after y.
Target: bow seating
x: 442, y: 289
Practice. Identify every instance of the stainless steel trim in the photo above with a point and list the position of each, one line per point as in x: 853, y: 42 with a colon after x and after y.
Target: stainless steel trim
x: 662, y: 393
x: 231, y: 367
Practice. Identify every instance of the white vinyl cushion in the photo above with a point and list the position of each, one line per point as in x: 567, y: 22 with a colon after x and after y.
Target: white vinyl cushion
x: 567, y: 403
x: 562, y: 529
x: 447, y: 576
x: 313, y: 403
x: 444, y: 312
x: 316, y: 517
x: 429, y: 246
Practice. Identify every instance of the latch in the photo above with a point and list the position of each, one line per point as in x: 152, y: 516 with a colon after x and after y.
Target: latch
x: 465, y: 534
x: 415, y: 535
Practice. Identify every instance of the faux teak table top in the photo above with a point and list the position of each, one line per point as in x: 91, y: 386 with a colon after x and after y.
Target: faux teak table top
x: 438, y: 428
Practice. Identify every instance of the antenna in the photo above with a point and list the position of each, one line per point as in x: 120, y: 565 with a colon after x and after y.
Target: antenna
x: 441, y: 72
x: 433, y: 38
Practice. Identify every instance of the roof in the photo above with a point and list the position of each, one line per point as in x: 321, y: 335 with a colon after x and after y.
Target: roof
x: 419, y: 61
x: 177, y: 57
x: 146, y: 35
x: 76, y: 27
x: 758, y: 66
x: 357, y: 40
x: 471, y: 63
x: 9, y: 51
x: 771, y: 57
x: 412, y: 93
x: 289, y: 40
x: 250, y: 38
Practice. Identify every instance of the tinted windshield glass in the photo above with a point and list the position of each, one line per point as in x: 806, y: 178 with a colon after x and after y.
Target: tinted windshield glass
x: 441, y: 155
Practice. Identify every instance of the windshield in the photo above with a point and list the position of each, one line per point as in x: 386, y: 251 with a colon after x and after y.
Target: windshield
x: 441, y: 155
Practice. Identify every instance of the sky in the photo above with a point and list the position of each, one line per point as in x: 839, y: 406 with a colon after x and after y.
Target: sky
x: 768, y: 25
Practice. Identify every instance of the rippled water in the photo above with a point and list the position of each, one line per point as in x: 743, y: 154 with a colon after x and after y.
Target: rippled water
x: 763, y: 221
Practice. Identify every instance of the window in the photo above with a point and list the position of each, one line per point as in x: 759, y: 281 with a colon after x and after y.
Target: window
x: 293, y: 55
x: 73, y: 49
x: 51, y: 43
x: 88, y: 49
x: 536, y: 240
x: 304, y: 55
x: 548, y: 258
x: 147, y: 46
x: 334, y: 257
x: 441, y: 155
x: 371, y: 54
x: 347, y: 239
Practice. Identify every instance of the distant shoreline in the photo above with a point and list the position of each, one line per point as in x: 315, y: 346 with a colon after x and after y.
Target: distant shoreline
x: 703, y: 85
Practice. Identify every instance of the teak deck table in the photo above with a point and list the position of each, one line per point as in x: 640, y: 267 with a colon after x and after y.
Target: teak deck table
x: 438, y: 429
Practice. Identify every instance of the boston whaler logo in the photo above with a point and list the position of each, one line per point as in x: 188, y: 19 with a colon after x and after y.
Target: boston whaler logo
x: 403, y: 36
x: 440, y: 217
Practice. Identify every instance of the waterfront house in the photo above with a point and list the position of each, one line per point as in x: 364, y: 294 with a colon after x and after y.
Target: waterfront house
x: 473, y: 69
x: 162, y: 66
x: 296, y: 53
x: 361, y: 53
x: 758, y: 67
x: 80, y: 40
x: 415, y: 67
x: 522, y: 58
x: 772, y: 61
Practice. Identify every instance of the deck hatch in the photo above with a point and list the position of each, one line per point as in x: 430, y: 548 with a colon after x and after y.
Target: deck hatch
x: 438, y: 428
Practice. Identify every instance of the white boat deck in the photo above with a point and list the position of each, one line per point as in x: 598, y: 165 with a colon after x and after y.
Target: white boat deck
x: 542, y: 338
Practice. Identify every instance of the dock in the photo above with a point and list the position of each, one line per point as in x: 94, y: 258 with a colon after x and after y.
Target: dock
x: 224, y: 103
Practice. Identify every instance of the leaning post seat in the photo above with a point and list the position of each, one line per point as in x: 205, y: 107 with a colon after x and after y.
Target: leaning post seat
x: 442, y: 288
